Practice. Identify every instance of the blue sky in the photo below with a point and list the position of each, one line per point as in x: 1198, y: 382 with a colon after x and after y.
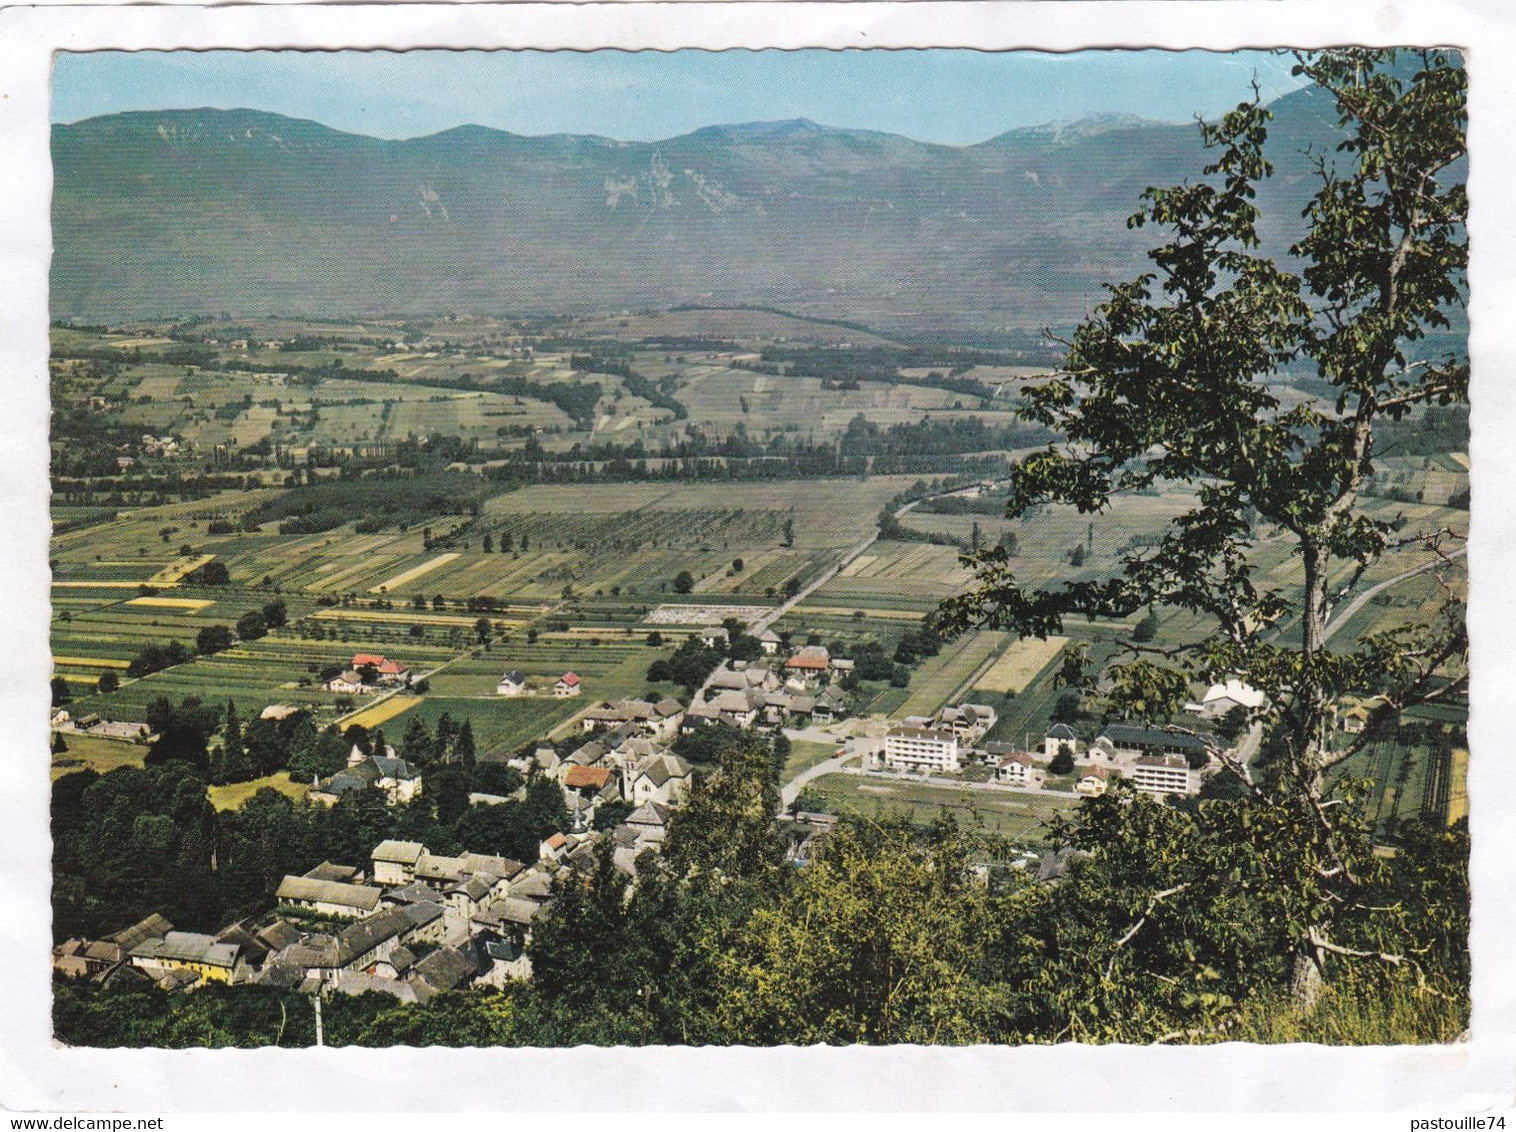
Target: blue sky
x: 954, y: 97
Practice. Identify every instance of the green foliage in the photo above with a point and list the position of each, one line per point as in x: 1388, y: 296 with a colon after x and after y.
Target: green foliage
x: 1169, y: 385
x: 212, y: 639
x: 251, y: 625
x: 381, y: 500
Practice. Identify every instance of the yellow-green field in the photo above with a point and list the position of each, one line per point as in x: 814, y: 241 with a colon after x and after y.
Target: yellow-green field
x: 1019, y: 665
x: 190, y: 604
x: 93, y: 753
x: 1458, y: 793
x: 383, y: 712
x: 231, y: 797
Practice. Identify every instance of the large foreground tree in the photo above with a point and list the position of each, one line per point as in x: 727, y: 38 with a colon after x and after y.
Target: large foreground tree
x: 1172, y: 385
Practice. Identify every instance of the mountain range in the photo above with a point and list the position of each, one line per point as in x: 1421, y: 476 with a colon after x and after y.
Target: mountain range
x: 162, y: 213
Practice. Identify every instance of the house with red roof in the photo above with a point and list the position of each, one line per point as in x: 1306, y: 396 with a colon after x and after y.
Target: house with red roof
x: 567, y: 685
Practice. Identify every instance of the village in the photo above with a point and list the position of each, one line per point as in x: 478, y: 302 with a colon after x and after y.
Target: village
x: 411, y: 923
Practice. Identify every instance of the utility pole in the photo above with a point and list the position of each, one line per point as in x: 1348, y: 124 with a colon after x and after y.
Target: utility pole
x: 320, y: 1037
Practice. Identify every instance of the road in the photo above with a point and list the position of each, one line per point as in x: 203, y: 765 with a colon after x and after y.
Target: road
x: 773, y: 615
x: 1342, y: 616
x: 791, y: 789
x: 823, y: 578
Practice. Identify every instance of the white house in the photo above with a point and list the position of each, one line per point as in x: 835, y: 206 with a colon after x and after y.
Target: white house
x: 659, y: 778
x: 1059, y: 735
x: 346, y: 683
x: 1016, y: 769
x: 513, y: 683
x: 568, y: 685
x: 1093, y: 781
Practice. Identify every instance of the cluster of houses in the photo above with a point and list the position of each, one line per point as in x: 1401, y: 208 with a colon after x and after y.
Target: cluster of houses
x: 625, y: 760
x: 518, y: 683
x: 1158, y: 760
x: 745, y: 694
x: 413, y: 924
x: 369, y: 672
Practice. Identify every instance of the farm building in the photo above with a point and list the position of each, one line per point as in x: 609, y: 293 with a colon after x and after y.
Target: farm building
x: 1131, y: 738
x: 810, y: 659
x: 328, y: 898
x: 395, y: 861
x: 1222, y: 698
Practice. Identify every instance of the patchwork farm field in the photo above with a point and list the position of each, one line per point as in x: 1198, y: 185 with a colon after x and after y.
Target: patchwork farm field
x: 358, y: 472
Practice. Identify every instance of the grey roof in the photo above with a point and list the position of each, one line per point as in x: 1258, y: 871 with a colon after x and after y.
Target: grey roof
x: 510, y: 910
x: 422, y: 914
x: 279, y: 935
x: 475, y: 888
x: 649, y: 813
x: 329, y: 892
x: 503, y: 867
x: 399, y: 852
x: 1130, y: 734
x: 344, y: 782
x: 668, y: 706
x: 534, y: 885
x: 416, y: 892
x: 402, y: 959
x: 589, y: 754
x: 342, y: 874
x: 188, y: 947
x: 361, y: 982
x: 434, y: 866
x: 359, y: 939
x: 394, y: 768
x: 314, y: 952
x: 1060, y: 731
x: 502, y: 949
x: 514, y: 676
x: 154, y: 925
x: 445, y: 969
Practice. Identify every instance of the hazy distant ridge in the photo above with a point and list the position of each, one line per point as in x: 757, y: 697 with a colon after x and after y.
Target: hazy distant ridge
x: 186, y: 211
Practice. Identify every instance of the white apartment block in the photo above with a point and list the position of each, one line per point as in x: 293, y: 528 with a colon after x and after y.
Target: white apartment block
x: 1164, y: 774
x: 913, y: 748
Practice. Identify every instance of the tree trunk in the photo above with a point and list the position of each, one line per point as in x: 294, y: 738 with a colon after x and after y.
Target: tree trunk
x: 1305, y: 984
